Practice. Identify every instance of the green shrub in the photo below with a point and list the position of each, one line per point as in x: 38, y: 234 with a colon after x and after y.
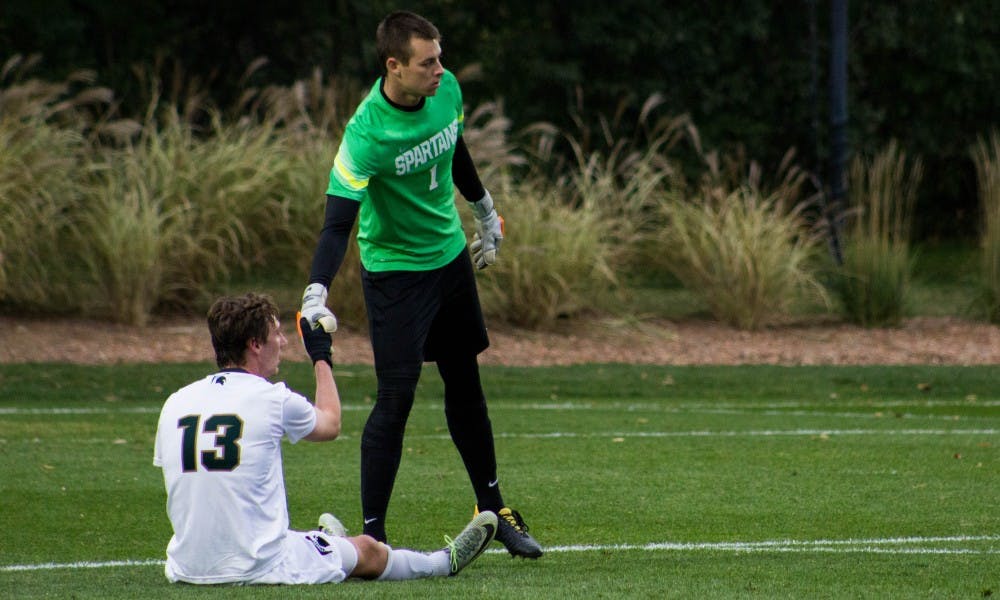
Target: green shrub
x: 123, y: 240
x: 574, y: 226
x: 622, y: 170
x: 872, y: 282
x: 120, y: 220
x: 216, y: 196
x: 986, y: 156
x: 36, y: 175
x: 746, y: 254
x: 44, y: 131
x: 555, y: 261
x: 625, y: 182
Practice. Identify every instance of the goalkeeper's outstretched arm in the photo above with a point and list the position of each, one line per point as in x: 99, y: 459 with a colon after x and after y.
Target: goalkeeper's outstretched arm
x: 330, y: 250
x: 333, y: 238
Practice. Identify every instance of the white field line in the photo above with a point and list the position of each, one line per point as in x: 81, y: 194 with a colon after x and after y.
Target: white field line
x: 749, y: 433
x: 622, y: 435
x: 908, y: 545
x: 764, y: 433
x: 834, y: 415
x: 870, y: 410
x: 132, y: 410
x: 81, y: 565
x: 800, y: 432
x: 875, y: 416
x: 722, y: 403
x: 901, y: 545
x: 721, y: 406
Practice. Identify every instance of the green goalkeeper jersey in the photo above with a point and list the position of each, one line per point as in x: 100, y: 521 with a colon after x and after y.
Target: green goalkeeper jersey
x: 397, y: 164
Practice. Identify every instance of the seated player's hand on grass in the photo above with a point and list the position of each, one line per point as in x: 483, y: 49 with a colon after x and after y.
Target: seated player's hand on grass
x: 318, y: 343
x: 489, y: 232
x: 314, y: 309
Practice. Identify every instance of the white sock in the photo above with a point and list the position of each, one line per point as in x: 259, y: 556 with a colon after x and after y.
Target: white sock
x: 407, y: 564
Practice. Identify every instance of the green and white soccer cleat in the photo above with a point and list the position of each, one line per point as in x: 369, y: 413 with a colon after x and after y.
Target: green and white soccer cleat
x: 331, y: 525
x: 471, y: 542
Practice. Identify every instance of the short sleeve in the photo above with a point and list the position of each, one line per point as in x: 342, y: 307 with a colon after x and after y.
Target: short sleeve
x: 350, y: 172
x: 298, y: 417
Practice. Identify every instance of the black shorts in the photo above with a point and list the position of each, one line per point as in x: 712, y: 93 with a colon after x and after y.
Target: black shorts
x: 417, y: 316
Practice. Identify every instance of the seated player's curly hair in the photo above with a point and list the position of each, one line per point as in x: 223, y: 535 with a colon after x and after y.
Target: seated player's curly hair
x: 235, y: 320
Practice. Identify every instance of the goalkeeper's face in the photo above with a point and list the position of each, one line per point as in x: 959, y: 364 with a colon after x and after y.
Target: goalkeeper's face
x: 421, y: 75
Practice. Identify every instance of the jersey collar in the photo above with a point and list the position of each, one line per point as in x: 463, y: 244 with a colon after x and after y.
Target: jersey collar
x: 414, y: 108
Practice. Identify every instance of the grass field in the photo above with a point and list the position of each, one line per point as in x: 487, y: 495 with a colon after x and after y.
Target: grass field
x: 677, y: 482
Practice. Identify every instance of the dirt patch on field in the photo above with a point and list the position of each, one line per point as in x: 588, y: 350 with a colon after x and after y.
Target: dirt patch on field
x: 918, y: 341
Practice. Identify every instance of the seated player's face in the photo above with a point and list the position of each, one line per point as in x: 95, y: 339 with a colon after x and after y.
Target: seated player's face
x: 270, y: 354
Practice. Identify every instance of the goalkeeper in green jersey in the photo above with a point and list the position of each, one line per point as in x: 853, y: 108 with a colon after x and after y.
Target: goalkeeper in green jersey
x: 399, y: 160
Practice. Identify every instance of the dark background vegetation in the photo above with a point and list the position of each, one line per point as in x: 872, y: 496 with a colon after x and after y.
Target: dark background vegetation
x: 750, y: 73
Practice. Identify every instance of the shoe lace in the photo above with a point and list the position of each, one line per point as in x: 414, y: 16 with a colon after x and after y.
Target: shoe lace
x: 514, y: 519
x: 450, y: 545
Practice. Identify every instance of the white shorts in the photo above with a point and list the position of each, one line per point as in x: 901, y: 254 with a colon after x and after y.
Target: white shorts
x: 312, y: 557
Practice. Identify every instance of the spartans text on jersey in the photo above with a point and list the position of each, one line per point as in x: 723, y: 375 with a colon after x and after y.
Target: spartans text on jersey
x: 428, y: 149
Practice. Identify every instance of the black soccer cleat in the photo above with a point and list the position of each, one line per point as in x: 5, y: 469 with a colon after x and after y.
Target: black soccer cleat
x: 512, y: 532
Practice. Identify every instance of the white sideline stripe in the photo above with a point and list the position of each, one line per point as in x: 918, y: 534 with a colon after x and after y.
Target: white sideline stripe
x: 750, y: 433
x: 81, y: 565
x: 776, y: 433
x: 678, y: 434
x: 720, y: 406
x: 709, y: 406
x: 673, y: 434
x: 724, y: 404
x: 142, y: 410
x: 873, y: 411
x: 139, y: 410
x: 874, y: 545
x: 675, y: 410
x: 856, y: 403
x: 871, y: 546
x: 843, y: 415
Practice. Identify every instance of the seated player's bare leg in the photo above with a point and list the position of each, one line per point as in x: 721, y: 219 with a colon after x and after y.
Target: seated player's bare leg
x: 372, y: 557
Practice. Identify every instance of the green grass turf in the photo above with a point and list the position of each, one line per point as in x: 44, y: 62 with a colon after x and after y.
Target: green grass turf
x: 677, y: 482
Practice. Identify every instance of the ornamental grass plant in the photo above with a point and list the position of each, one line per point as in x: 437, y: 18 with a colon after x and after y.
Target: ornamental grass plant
x: 986, y: 156
x: 871, y: 284
x: 46, y: 131
x: 556, y: 262
x: 577, y: 216
x: 116, y: 219
x: 169, y: 217
x: 746, y: 250
x: 121, y: 219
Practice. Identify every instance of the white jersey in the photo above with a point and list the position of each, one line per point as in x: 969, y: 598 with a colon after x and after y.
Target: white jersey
x: 218, y: 442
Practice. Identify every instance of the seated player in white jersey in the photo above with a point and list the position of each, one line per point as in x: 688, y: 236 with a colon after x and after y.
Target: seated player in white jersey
x: 218, y: 441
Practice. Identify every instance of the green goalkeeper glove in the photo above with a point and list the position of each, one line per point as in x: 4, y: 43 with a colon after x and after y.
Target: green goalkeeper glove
x: 489, y: 232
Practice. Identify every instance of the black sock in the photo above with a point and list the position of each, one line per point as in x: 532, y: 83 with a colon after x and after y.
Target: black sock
x: 470, y: 428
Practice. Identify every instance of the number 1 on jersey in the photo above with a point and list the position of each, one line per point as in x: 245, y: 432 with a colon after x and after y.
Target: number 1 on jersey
x: 434, y: 178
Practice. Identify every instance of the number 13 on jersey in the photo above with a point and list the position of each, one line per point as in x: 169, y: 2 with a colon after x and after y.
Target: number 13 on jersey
x: 225, y: 456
